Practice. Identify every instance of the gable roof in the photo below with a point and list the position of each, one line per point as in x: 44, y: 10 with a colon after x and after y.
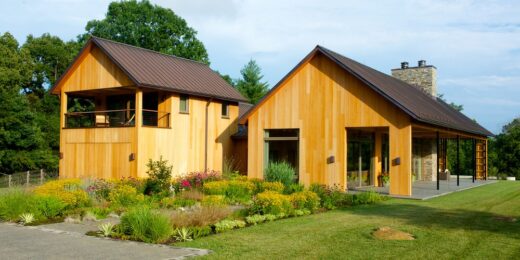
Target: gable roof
x: 419, y: 105
x: 151, y: 69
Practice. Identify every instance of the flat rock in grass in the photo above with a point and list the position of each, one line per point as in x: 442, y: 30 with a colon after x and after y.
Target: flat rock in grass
x: 505, y: 219
x: 387, y: 233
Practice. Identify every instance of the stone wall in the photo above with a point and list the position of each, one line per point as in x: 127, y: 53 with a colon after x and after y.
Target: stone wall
x: 424, y: 77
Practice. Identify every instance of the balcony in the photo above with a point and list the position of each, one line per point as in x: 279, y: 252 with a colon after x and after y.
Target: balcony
x: 116, y: 118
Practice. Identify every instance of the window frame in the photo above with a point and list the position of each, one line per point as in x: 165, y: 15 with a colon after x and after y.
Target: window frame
x: 224, y: 105
x: 185, y: 110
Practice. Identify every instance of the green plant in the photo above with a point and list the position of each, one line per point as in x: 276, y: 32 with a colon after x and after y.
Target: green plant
x: 183, y: 234
x: 15, y: 202
x: 233, y: 190
x: 146, y: 225
x: 225, y: 225
x: 159, y: 176
x: 191, y: 195
x: 213, y: 200
x: 280, y: 171
x: 69, y: 191
x: 107, y: 229
x: 368, y: 197
x: 305, y: 200
x: 330, y: 196
x: 199, y: 232
x: 270, y: 217
x: 49, y: 206
x: 125, y: 195
x: 271, y: 186
x: 294, y: 187
x: 229, y: 168
x: 270, y: 202
x: 199, y: 217
x: 27, y: 218
x: 255, y: 219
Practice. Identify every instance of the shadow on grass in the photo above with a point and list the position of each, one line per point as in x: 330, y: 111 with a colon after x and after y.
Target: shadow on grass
x: 459, y: 219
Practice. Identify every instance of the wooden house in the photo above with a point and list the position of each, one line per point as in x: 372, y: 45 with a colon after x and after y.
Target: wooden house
x: 122, y: 106
x: 339, y: 122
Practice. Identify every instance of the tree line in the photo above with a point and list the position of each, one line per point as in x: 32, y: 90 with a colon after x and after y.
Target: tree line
x: 29, y: 114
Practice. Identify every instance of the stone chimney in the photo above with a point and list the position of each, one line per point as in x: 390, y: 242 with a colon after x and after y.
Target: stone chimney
x: 423, y: 76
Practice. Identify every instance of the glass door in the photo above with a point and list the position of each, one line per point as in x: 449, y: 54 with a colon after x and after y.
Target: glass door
x: 360, y: 163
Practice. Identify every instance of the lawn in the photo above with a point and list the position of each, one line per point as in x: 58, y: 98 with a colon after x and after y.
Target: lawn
x: 460, y: 225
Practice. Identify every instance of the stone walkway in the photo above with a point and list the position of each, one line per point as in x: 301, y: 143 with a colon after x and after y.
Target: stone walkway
x: 67, y: 241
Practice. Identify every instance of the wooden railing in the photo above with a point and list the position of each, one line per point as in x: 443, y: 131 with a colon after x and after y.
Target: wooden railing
x: 115, y: 118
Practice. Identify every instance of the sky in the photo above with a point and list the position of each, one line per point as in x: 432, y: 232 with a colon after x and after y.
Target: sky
x: 475, y: 45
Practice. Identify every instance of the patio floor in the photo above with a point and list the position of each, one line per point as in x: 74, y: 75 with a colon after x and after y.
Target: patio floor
x: 423, y: 190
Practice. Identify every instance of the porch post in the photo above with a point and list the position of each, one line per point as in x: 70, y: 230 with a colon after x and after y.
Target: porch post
x: 474, y: 161
x: 438, y: 140
x: 458, y: 159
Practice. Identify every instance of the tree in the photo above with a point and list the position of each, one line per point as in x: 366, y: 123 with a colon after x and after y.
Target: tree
x: 148, y: 26
x: 453, y: 105
x: 504, y: 157
x: 251, y: 85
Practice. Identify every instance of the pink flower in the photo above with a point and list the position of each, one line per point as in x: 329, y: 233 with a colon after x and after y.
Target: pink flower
x: 185, y: 183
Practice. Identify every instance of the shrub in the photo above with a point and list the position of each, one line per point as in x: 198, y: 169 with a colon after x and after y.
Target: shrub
x: 100, y: 189
x: 272, y: 186
x: 199, y: 232
x: 159, y: 176
x: 196, y: 180
x: 330, y: 197
x: 16, y: 202
x: 294, y: 187
x: 270, y: 217
x: 199, y: 217
x: 145, y: 225
x: 280, y: 171
x: 255, y: 219
x: 191, y: 195
x: 49, y: 206
x: 369, y: 197
x: 125, y: 195
x: 27, y: 218
x: 270, y: 202
x: 67, y: 190
x: 305, y: 200
x: 213, y: 200
x: 234, y: 190
x: 225, y: 225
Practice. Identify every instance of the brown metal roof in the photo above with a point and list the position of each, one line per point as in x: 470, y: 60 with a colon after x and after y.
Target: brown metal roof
x: 243, y: 108
x: 152, y: 69
x: 419, y: 105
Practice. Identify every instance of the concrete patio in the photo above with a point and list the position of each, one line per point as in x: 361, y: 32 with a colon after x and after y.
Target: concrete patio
x: 423, y: 190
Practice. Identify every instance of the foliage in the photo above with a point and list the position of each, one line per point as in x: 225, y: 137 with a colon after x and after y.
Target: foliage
x: 191, y: 195
x: 183, y: 234
x: 226, y: 225
x: 305, y: 200
x: 280, y: 171
x: 196, y: 180
x: 199, y: 217
x: 175, y: 203
x: 15, y: 202
x: 256, y: 219
x: 67, y: 190
x: 125, y: 195
x: 233, y: 190
x: 27, y: 218
x: 294, y: 187
x: 271, y: 186
x: 146, y: 225
x: 368, y: 197
x: 331, y: 197
x: 251, y: 85
x: 270, y: 202
x: 199, y: 232
x: 107, y: 229
x: 504, y: 150
x: 229, y: 168
x: 213, y: 200
x: 49, y: 206
x: 159, y: 176
x: 142, y: 24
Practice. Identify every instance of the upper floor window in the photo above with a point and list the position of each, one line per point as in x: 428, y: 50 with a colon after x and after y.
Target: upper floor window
x: 225, y: 109
x: 184, y: 104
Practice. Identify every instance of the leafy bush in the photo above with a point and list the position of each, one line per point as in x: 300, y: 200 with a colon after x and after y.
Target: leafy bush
x: 191, y: 195
x: 100, y: 189
x: 67, y: 190
x: 294, y: 187
x: 330, y: 197
x: 125, y: 195
x: 199, y: 217
x: 369, y: 197
x: 159, y: 176
x: 175, y: 203
x: 145, y: 225
x: 233, y: 190
x: 301, y: 212
x: 199, y: 232
x: 270, y: 217
x: 280, y: 171
x: 213, y: 200
x: 270, y: 202
x: 196, y: 180
x: 225, y: 225
x: 256, y: 219
x: 49, y: 206
x: 271, y: 186
x: 16, y: 202
x: 305, y: 200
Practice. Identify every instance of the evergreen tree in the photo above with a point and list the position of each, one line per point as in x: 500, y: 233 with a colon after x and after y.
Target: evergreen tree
x: 251, y: 85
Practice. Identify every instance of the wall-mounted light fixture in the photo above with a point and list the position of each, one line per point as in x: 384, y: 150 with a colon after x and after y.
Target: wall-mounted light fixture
x: 131, y: 157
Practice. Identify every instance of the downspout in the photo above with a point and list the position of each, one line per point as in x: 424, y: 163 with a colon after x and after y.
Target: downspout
x: 206, y: 137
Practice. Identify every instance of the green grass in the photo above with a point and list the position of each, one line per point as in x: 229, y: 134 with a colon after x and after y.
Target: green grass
x: 457, y: 226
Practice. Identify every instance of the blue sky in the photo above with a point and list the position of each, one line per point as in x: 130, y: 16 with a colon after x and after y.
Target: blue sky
x: 475, y: 45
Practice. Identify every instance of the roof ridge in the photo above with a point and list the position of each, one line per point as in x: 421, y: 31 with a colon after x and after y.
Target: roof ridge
x: 148, y: 50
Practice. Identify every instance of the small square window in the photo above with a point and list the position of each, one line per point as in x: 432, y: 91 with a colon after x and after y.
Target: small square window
x: 184, y: 104
x: 225, y: 109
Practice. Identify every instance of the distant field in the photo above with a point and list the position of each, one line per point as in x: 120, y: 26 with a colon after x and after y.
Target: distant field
x: 472, y: 224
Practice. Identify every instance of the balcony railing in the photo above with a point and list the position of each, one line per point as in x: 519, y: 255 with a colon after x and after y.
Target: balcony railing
x: 115, y: 118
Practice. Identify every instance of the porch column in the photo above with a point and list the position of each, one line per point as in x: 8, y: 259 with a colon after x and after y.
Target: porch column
x: 458, y: 160
x: 377, y: 158
x: 401, y: 160
x: 474, y: 160
x: 137, y: 165
x: 438, y: 158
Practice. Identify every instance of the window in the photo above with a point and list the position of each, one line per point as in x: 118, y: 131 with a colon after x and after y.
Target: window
x: 225, y: 109
x: 184, y: 104
x: 282, y: 145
